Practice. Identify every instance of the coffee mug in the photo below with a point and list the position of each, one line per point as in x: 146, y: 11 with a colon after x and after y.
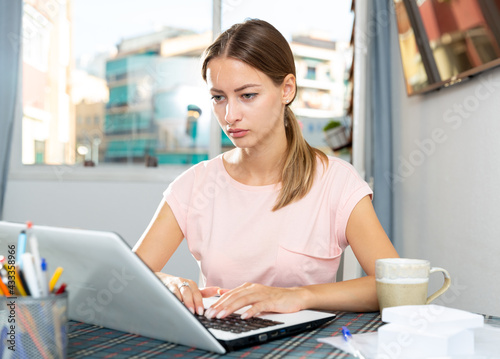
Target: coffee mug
x: 404, y: 281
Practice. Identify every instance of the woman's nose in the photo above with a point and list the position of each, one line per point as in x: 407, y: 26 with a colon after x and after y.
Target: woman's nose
x: 232, y: 112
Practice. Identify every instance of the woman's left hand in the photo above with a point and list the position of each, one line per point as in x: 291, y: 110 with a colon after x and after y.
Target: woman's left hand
x: 260, y: 298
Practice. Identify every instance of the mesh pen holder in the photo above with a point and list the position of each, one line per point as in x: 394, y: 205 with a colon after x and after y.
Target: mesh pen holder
x: 35, y: 327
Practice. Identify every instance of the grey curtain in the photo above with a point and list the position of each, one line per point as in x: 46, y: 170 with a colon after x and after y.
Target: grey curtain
x: 10, y: 103
x: 382, y: 18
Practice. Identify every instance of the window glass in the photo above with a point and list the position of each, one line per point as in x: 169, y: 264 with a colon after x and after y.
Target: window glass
x: 114, y: 81
x: 319, y: 33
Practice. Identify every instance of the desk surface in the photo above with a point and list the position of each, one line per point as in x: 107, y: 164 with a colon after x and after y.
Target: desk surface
x: 90, y: 341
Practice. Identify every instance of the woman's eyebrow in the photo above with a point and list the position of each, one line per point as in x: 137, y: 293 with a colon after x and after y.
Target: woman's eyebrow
x: 245, y: 87
x: 213, y: 89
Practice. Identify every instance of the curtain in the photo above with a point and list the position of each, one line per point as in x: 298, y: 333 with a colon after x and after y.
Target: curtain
x: 381, y: 167
x: 10, y: 103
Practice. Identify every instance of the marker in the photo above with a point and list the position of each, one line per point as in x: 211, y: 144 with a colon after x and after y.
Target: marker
x: 44, y: 280
x: 55, y: 278
x: 61, y: 289
x: 21, y: 248
x: 350, y: 343
x: 3, y: 289
x: 31, y: 276
x: 33, y: 241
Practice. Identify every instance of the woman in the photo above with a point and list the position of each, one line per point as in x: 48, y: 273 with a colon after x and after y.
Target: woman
x: 269, y: 219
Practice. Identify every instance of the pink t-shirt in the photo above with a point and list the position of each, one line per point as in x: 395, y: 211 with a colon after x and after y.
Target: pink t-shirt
x: 235, y: 236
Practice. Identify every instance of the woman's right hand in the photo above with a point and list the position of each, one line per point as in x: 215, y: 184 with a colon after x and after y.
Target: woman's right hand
x: 187, y: 291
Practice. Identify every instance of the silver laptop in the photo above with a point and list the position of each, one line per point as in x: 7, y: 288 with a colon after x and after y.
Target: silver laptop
x: 110, y: 286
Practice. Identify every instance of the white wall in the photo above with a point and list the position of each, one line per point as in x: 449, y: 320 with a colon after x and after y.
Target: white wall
x: 121, y: 206
x: 447, y: 157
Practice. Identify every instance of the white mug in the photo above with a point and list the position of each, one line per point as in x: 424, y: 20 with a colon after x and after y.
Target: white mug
x: 404, y: 281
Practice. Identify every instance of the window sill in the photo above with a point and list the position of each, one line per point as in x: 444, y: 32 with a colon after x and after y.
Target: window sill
x: 101, y: 173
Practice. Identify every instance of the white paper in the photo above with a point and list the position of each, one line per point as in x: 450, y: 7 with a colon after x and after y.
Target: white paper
x: 487, y: 344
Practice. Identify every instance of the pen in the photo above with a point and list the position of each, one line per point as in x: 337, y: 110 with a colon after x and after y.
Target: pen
x: 21, y: 247
x: 350, y: 343
x: 31, y: 275
x: 33, y: 241
x: 22, y: 280
x: 19, y: 284
x: 44, y: 280
x: 55, y: 278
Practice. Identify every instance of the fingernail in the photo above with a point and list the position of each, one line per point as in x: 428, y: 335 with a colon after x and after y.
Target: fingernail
x: 200, y: 310
x: 209, y: 313
x: 191, y: 310
x: 221, y: 314
x: 244, y: 315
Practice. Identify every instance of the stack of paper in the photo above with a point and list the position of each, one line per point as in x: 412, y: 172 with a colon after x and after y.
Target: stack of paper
x: 420, y: 331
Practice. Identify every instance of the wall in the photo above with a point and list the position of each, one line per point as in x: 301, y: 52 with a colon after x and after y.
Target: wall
x: 446, y: 184
x: 119, y: 206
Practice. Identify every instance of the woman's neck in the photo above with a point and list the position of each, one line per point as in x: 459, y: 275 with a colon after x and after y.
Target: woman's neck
x: 255, y: 167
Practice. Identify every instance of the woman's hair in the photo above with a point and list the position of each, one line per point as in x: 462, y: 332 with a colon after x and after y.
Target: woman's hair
x: 258, y: 44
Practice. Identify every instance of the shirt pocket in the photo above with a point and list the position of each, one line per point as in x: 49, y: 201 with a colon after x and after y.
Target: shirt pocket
x: 307, y: 264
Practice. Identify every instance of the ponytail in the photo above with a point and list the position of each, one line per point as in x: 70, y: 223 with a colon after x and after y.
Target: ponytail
x: 300, y: 163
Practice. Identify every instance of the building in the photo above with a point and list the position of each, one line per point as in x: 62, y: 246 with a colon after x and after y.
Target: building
x: 48, y: 134
x: 154, y: 84
x: 322, y: 69
x: 90, y: 95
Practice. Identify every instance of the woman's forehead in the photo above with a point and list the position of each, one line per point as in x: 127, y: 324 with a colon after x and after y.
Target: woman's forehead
x: 233, y: 72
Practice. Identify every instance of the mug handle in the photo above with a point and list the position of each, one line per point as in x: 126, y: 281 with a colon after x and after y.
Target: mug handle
x: 444, y: 288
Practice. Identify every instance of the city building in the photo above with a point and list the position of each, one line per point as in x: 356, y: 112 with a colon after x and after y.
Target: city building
x: 154, y: 85
x: 48, y: 133
x: 322, y: 69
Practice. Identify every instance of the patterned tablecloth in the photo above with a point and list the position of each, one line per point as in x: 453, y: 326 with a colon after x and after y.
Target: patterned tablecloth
x: 90, y: 341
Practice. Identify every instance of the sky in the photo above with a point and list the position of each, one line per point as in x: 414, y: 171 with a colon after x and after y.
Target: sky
x: 99, y: 25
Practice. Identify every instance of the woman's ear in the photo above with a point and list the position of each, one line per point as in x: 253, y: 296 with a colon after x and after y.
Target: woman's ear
x: 288, y: 88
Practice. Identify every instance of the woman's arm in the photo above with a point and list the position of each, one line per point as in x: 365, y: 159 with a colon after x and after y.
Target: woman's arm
x: 368, y: 241
x: 160, y: 239
x: 155, y: 247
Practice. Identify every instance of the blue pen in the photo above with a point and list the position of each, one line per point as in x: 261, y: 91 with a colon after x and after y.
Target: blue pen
x: 21, y: 247
x: 350, y: 343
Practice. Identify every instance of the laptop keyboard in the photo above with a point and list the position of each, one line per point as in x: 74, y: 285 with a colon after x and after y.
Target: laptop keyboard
x: 234, y: 324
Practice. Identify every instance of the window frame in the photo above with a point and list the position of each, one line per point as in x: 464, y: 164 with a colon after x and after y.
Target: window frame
x: 129, y: 172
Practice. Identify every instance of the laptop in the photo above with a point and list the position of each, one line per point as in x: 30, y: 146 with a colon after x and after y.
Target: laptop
x: 109, y: 285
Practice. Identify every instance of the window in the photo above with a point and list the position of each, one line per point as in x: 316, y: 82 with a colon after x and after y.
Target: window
x: 126, y: 85
x: 319, y: 32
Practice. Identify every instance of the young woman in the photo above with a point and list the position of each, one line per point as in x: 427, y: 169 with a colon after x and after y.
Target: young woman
x: 268, y: 220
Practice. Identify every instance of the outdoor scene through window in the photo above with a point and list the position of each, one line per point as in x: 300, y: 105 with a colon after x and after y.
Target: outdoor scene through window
x: 118, y: 82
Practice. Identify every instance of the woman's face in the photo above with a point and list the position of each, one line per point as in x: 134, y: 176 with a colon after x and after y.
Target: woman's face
x: 247, y: 103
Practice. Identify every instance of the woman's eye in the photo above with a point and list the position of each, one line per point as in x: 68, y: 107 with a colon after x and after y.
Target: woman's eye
x: 249, y: 96
x: 217, y: 98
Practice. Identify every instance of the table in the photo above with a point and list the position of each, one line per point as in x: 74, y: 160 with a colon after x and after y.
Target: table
x: 91, y: 341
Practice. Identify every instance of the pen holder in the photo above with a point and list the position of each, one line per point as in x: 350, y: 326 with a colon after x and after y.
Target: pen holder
x: 34, y: 327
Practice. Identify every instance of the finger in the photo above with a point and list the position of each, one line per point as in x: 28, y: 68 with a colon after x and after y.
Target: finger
x: 187, y: 291
x: 208, y: 292
x: 173, y: 288
x: 255, y: 310
x: 236, y: 299
x: 222, y: 291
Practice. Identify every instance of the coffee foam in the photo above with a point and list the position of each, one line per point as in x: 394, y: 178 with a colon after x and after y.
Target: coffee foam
x: 403, y: 280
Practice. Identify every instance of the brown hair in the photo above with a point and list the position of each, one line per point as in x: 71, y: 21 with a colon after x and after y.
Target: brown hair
x: 258, y: 44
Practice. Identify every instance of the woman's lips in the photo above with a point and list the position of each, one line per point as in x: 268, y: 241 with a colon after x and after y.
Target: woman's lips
x: 237, y: 132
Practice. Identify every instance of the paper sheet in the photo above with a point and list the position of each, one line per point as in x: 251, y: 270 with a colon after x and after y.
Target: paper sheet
x: 486, y: 340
